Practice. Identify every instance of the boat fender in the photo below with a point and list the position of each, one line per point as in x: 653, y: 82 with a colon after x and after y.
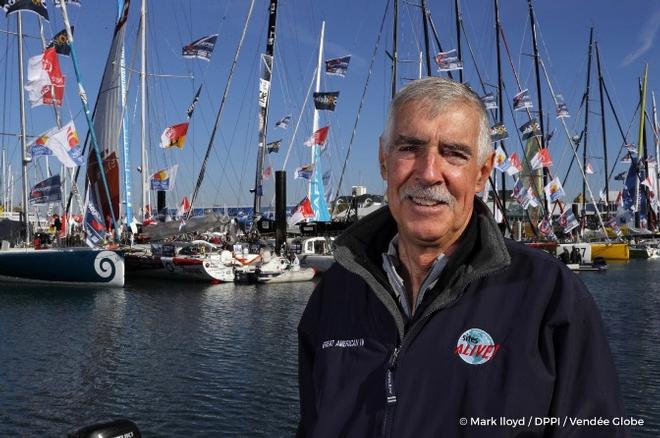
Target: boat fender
x: 119, y: 427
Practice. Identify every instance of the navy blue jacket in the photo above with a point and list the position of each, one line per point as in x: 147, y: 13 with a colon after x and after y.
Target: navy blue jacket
x: 507, y: 334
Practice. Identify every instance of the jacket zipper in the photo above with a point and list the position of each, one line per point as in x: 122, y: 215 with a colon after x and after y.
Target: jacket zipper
x: 390, y: 390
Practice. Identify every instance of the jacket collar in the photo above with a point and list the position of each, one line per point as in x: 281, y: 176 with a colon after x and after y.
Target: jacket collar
x: 359, y: 250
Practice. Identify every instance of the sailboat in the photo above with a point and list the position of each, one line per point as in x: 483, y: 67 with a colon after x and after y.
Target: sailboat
x: 77, y: 266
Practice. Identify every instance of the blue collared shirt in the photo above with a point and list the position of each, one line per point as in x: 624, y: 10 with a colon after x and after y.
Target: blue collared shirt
x: 391, y: 264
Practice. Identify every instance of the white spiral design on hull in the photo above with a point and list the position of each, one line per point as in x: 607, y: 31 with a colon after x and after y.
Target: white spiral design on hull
x: 105, y: 264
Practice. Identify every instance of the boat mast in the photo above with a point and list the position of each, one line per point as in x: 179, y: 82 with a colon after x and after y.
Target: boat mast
x: 602, y: 122
x: 656, y: 131
x: 500, y: 96
x: 641, y: 150
x: 586, y: 122
x: 317, y: 88
x: 264, y: 100
x: 457, y: 6
x: 427, y: 49
x: 541, y: 140
x: 128, y: 191
x: 218, y: 116
x: 143, y: 107
x: 24, y: 151
x: 395, y: 55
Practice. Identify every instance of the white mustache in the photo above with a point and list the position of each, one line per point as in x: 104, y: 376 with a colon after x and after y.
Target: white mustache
x: 435, y: 193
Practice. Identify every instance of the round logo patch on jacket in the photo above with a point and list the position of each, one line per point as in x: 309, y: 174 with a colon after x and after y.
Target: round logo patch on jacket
x: 476, y: 347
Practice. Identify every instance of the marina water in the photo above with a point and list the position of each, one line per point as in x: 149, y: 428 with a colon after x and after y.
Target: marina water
x: 221, y: 360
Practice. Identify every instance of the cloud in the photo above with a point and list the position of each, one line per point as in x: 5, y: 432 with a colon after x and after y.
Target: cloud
x: 646, y: 38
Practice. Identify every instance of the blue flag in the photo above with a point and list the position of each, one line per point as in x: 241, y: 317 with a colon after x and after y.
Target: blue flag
x: 48, y: 190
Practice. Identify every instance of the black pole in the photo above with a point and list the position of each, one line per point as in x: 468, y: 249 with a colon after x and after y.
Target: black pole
x: 500, y: 98
x: 426, y: 38
x: 395, y: 56
x: 602, y: 122
x: 458, y: 37
x: 540, y: 139
x: 266, y: 75
x: 280, y: 210
x: 586, y: 123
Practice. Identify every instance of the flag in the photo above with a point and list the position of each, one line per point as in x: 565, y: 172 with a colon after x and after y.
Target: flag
x: 489, y: 101
x: 530, y: 129
x: 327, y: 178
x: 303, y: 211
x: 501, y: 162
x: 201, y: 48
x: 589, y: 170
x: 561, y: 110
x: 184, y: 207
x: 63, y: 143
x: 545, y: 227
x: 61, y: 42
x: 326, y: 100
x: 267, y: 173
x: 541, y: 159
x: 36, y: 6
x: 319, y: 137
x: 191, y: 108
x: 631, y: 148
x: 515, y: 165
x: 522, y: 101
x: 518, y: 191
x: 164, y: 178
x: 498, y: 132
x: 627, y: 159
x: 48, y: 190
x: 38, y: 147
x: 283, y: 122
x: 274, y: 146
x: 554, y: 190
x: 93, y: 223
x: 621, y: 176
x: 447, y: 61
x: 68, y: 2
x: 174, y: 135
x: 304, y: 172
x: 264, y: 89
x: 568, y: 222
x: 45, y: 84
x: 530, y: 199
x: 337, y: 66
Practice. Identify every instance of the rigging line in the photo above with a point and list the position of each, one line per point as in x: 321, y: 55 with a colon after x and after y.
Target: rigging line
x: 575, y: 155
x: 529, y: 114
x: 300, y: 116
x: 364, y: 93
x: 222, y: 105
x: 437, y: 38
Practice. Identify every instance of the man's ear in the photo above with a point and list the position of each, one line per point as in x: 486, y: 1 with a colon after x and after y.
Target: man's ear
x: 382, y: 158
x: 484, y: 172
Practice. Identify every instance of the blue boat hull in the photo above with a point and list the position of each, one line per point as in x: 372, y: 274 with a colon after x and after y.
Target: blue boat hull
x: 79, y: 266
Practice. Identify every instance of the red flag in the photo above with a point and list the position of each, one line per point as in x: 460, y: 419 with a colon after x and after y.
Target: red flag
x: 319, y: 137
x: 268, y: 172
x: 45, y: 84
x: 303, y: 210
x: 175, y: 135
x: 541, y: 159
x: 184, y: 207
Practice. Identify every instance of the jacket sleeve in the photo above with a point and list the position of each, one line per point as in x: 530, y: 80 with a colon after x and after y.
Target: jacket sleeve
x: 307, y: 343
x: 586, y: 385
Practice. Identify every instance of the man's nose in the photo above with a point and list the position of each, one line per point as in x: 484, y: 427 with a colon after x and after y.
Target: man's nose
x: 428, y: 166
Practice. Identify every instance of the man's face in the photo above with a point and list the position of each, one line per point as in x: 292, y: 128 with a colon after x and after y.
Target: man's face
x: 432, y: 172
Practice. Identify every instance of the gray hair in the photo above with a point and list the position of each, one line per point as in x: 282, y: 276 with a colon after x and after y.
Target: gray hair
x: 435, y: 94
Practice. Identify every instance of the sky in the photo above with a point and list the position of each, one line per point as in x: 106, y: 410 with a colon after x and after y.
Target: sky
x: 627, y: 34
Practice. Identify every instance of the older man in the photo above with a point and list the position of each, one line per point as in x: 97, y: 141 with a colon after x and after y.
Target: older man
x: 430, y: 323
